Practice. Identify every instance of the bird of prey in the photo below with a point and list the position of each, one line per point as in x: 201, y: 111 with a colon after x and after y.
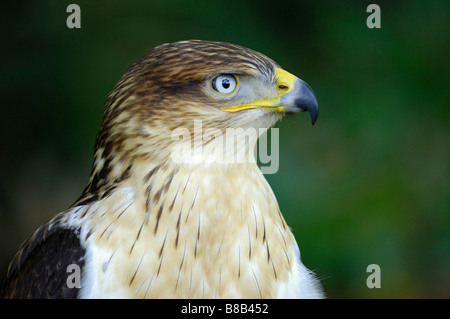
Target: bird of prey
x: 153, y: 225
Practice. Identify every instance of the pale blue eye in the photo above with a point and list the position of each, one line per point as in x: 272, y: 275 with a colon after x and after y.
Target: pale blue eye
x: 224, y: 83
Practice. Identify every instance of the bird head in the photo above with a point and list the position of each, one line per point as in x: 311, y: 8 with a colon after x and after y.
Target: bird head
x: 209, y: 81
x: 176, y: 85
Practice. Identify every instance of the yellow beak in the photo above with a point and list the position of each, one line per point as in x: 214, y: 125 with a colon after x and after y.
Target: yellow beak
x: 294, y: 95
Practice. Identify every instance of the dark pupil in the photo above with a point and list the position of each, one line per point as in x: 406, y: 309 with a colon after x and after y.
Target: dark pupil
x: 226, y: 83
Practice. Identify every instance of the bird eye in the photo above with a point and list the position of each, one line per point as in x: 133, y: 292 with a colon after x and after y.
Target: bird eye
x: 224, y: 83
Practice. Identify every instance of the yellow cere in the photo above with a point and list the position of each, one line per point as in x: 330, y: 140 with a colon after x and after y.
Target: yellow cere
x: 285, y: 84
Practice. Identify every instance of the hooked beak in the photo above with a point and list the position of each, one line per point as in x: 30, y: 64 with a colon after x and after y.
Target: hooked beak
x: 294, y: 95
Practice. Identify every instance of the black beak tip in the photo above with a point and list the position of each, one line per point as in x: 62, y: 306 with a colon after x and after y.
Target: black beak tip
x: 310, y: 104
x: 314, y: 115
x: 308, y: 101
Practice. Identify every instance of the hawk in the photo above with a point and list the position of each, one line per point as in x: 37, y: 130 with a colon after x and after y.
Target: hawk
x: 200, y: 224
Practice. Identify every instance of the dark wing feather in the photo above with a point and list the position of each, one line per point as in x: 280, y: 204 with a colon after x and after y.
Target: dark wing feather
x: 39, y: 269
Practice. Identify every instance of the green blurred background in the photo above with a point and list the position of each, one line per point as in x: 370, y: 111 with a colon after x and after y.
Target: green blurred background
x: 368, y: 184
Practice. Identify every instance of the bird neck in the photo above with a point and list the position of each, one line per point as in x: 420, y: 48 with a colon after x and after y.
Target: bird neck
x: 219, y: 148
x: 194, y: 148
x: 218, y: 220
